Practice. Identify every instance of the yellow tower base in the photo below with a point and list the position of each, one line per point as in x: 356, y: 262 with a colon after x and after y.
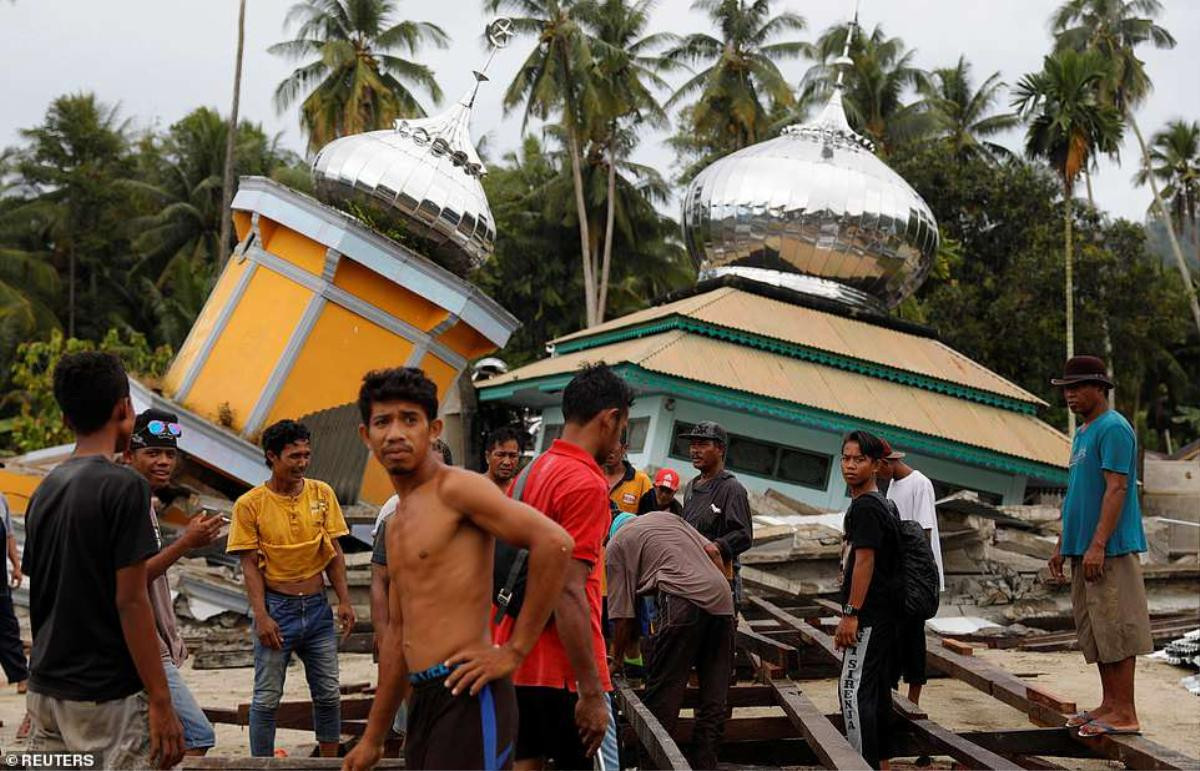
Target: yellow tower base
x: 310, y: 301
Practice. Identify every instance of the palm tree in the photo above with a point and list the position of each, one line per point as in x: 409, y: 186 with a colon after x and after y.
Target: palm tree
x: 1069, y: 123
x: 1175, y: 161
x: 556, y: 79
x: 964, y: 113
x: 1115, y: 28
x: 625, y: 72
x: 227, y: 181
x: 178, y: 244
x: 67, y: 172
x: 27, y: 282
x: 353, y: 81
x: 875, y: 85
x: 739, y: 84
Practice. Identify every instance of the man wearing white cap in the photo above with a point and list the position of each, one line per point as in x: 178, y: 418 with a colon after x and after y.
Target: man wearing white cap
x: 912, y: 492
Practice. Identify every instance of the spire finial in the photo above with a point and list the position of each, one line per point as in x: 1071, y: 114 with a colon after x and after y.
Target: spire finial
x: 499, y: 34
x: 844, y: 60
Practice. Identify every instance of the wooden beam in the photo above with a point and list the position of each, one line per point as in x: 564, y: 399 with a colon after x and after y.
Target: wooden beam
x: 276, y: 764
x: 810, y: 634
x: 961, y: 648
x: 298, y: 714
x: 780, y: 654
x: 357, y: 643
x: 825, y: 741
x: 658, y: 744
x: 1015, y: 744
x: 768, y: 754
x: 239, y: 659
x: 742, y: 729
x: 1137, y: 752
x: 741, y: 695
x: 962, y: 750
x: 1037, y: 764
x: 216, y: 715
x: 1054, y: 742
x: 906, y: 709
x: 1048, y: 709
x: 1041, y: 706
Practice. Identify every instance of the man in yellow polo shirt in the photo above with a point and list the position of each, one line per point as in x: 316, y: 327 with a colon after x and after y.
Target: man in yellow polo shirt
x: 285, y: 531
x: 626, y: 484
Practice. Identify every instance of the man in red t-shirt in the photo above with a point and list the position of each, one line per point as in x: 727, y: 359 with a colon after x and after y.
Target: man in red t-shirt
x: 566, y: 672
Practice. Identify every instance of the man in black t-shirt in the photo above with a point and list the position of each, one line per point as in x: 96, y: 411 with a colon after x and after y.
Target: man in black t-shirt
x: 96, y: 680
x: 866, y: 632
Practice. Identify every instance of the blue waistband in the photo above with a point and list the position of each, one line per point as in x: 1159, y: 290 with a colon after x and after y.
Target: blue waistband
x: 436, y: 672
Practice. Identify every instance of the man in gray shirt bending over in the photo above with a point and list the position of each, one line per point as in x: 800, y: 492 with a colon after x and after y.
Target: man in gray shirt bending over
x: 660, y: 554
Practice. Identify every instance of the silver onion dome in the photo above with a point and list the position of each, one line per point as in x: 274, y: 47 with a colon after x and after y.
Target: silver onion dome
x: 423, y: 173
x: 424, y: 170
x: 813, y: 210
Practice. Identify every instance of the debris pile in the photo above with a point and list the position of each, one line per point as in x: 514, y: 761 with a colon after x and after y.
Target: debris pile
x: 1184, y: 652
x: 995, y: 560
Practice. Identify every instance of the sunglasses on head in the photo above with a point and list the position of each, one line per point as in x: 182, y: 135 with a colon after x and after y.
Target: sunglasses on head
x: 162, y: 428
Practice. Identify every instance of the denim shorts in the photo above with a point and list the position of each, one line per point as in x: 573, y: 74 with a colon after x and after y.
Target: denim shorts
x: 197, y: 731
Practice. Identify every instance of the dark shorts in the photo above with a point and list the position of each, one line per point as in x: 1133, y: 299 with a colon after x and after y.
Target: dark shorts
x: 547, y: 728
x: 909, y: 659
x: 463, y: 731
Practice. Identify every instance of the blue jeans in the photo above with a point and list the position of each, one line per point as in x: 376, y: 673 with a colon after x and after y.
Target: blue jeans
x: 306, y: 625
x: 197, y: 731
x: 609, y: 748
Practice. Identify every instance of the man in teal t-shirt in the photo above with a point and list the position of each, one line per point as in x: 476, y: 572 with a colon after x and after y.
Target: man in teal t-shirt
x: 1102, y: 535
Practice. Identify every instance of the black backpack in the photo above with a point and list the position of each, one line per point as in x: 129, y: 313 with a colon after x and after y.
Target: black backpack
x: 920, y: 588
x: 510, y: 564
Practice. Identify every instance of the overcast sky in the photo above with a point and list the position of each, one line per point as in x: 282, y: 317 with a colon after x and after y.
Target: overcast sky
x: 159, y: 59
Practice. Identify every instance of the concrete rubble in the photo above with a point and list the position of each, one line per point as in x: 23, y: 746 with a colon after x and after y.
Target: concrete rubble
x: 995, y: 560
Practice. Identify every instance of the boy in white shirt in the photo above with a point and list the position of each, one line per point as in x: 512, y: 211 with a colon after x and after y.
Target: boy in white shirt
x: 912, y: 492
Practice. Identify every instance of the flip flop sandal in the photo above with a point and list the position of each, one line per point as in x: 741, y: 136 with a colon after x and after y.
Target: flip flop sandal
x: 1100, y: 728
x: 1079, y: 718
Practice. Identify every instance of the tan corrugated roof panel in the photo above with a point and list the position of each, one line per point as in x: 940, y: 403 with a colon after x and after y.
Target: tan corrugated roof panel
x: 854, y: 338
x: 741, y: 368
x: 810, y: 328
x: 631, y: 351
x: 685, y: 307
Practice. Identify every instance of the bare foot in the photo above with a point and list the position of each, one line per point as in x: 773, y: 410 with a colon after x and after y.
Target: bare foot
x: 1105, y: 727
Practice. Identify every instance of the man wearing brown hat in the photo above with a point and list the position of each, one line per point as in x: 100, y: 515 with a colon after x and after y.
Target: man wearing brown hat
x: 1102, y: 535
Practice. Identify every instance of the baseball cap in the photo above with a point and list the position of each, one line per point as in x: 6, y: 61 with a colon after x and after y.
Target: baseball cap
x: 888, y: 452
x: 155, y: 428
x: 667, y: 478
x: 707, y: 429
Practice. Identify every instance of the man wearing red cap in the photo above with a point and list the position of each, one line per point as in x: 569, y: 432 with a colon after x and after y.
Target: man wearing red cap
x: 662, y: 496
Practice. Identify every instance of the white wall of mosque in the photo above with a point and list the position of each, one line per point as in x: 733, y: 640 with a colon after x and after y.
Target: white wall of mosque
x: 797, y: 461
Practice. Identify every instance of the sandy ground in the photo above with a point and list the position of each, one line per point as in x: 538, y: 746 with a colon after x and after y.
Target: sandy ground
x: 1170, y: 715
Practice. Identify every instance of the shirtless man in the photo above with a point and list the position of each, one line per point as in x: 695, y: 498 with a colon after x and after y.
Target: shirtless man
x: 440, y: 541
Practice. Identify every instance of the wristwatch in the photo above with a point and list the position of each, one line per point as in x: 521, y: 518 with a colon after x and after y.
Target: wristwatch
x: 849, y: 610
